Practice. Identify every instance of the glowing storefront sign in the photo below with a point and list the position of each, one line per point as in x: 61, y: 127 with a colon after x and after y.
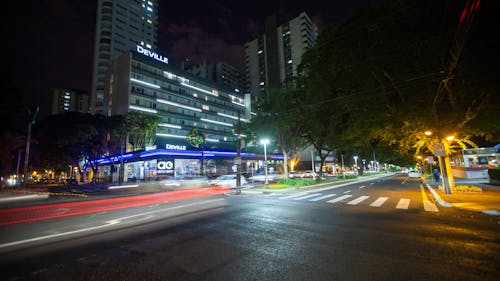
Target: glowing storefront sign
x: 151, y: 54
x: 175, y: 147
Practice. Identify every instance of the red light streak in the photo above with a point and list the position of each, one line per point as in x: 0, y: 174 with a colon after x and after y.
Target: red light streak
x: 35, y: 213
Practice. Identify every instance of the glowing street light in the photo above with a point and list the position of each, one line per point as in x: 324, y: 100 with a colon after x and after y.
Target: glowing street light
x: 356, y: 161
x: 265, y: 142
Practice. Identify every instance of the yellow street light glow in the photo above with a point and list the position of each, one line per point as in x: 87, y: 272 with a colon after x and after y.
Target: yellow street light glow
x: 450, y: 138
x: 428, y: 133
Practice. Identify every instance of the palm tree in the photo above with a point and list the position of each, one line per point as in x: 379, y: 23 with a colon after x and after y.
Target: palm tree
x: 197, y: 139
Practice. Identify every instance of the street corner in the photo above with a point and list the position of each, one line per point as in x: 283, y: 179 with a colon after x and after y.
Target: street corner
x: 484, y: 201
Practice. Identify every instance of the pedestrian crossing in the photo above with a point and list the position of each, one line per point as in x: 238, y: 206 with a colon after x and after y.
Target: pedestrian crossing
x: 350, y: 199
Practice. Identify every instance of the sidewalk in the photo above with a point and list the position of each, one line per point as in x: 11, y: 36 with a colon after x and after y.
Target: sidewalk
x: 487, y: 201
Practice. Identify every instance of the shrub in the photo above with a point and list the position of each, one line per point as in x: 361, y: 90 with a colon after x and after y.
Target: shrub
x: 466, y: 188
x: 296, y: 182
x: 347, y: 177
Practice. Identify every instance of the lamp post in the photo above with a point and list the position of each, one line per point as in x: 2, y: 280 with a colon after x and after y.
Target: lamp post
x: 265, y: 142
x: 441, y: 149
x: 356, y: 162
x: 28, y: 143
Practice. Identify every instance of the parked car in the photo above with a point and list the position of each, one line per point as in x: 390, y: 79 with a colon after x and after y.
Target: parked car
x: 227, y: 180
x: 414, y: 174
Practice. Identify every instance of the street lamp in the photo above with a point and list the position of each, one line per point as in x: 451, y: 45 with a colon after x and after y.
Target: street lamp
x: 265, y: 142
x: 356, y: 161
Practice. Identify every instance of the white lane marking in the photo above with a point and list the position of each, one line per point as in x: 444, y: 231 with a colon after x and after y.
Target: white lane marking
x: 379, y: 202
x: 362, y: 186
x: 307, y: 196
x: 403, y: 203
x: 23, y: 197
x: 347, y: 191
x: 339, y: 199
x: 358, y: 200
x: 123, y: 186
x: 106, y: 224
x: 322, y: 197
x: 372, y: 183
x: 429, y: 206
x: 294, y: 195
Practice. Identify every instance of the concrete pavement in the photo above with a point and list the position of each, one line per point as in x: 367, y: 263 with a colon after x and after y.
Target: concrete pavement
x: 487, y: 201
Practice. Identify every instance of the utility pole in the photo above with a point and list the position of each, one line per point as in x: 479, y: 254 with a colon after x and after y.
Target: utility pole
x: 238, y: 157
x: 28, y: 142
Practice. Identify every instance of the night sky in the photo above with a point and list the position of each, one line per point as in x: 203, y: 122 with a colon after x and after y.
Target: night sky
x: 50, y: 44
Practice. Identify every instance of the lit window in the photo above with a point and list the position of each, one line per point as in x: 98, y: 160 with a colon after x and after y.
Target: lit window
x: 262, y: 83
x: 148, y: 45
x: 289, y: 61
x: 149, y: 21
x: 259, y: 52
x: 206, y: 98
x: 195, y: 95
x: 205, y: 107
x: 150, y: 9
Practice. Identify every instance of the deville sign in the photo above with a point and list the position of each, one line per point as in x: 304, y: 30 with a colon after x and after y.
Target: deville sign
x: 151, y: 54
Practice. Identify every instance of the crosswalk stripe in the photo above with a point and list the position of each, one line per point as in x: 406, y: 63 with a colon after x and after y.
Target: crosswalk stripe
x: 322, y: 197
x: 379, y: 202
x: 429, y: 206
x: 339, y: 199
x: 362, y: 186
x: 358, y: 200
x: 403, y: 203
x: 347, y: 191
x: 294, y: 195
x: 307, y: 196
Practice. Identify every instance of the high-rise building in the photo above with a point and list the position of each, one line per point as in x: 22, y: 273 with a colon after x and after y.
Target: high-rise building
x: 66, y: 100
x: 121, y: 25
x: 220, y: 73
x: 272, y: 59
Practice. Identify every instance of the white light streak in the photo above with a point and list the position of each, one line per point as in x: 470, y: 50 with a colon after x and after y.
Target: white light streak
x: 170, y: 126
x: 170, y: 136
x: 216, y: 122
x: 145, y: 83
x: 200, y: 89
x: 142, y: 109
x: 178, y: 104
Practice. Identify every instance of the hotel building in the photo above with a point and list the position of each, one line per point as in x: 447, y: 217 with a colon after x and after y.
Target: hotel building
x: 143, y: 81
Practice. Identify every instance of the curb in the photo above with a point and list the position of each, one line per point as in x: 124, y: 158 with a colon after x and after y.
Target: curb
x: 437, y: 197
x: 446, y: 204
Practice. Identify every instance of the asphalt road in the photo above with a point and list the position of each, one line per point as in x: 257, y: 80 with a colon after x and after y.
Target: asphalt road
x: 374, y: 230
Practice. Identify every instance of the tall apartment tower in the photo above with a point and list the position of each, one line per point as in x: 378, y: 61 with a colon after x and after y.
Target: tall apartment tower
x: 220, y: 73
x: 121, y: 25
x: 272, y: 59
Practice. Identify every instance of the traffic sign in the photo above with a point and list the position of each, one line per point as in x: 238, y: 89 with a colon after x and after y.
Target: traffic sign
x: 439, y: 149
x: 237, y: 160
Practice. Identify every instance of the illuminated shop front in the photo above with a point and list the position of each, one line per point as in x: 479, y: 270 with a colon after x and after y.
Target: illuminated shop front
x: 161, y: 164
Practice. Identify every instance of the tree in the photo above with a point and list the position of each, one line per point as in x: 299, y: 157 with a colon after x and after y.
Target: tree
x: 391, y: 73
x: 197, y: 139
x: 141, y: 129
x: 274, y: 119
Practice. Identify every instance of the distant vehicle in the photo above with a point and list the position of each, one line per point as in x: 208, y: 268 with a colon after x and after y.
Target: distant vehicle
x: 404, y: 170
x: 227, y: 180
x: 414, y: 174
